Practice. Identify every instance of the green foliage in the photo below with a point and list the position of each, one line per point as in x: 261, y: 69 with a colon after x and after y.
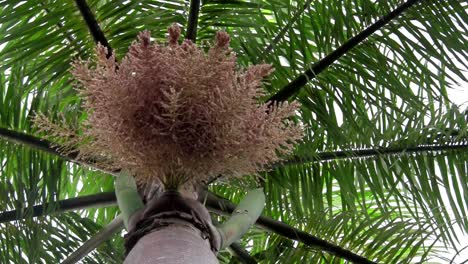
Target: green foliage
x: 390, y: 91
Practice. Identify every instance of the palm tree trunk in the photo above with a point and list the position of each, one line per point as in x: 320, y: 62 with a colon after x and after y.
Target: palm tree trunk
x: 172, y: 229
x: 174, y: 244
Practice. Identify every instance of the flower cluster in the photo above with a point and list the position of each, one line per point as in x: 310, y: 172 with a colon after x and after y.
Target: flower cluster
x: 178, y: 115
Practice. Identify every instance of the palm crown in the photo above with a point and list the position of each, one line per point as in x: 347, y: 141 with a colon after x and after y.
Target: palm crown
x: 381, y: 174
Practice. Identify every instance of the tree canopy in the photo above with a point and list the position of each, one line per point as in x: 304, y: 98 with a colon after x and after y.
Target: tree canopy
x: 381, y: 171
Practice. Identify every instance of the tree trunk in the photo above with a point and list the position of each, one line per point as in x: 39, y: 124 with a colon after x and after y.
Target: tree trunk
x: 174, y: 244
x: 172, y: 229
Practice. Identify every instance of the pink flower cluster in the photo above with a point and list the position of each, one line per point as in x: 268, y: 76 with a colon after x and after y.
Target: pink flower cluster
x: 178, y: 115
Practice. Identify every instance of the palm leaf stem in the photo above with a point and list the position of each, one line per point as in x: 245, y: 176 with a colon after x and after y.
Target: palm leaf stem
x: 89, y: 201
x: 51, y: 148
x: 34, y: 142
x: 93, y: 25
x: 225, y: 207
x: 103, y: 235
x: 193, y: 20
x: 45, y: 146
x: 243, y: 217
x: 242, y: 255
x: 371, y: 152
x: 128, y: 198
x: 237, y: 250
x: 290, y: 90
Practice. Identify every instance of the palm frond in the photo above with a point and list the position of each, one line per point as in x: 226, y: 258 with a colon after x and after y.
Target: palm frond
x: 49, y: 240
x: 293, y: 87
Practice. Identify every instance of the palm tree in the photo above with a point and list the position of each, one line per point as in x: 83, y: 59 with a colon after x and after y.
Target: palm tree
x: 381, y: 174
